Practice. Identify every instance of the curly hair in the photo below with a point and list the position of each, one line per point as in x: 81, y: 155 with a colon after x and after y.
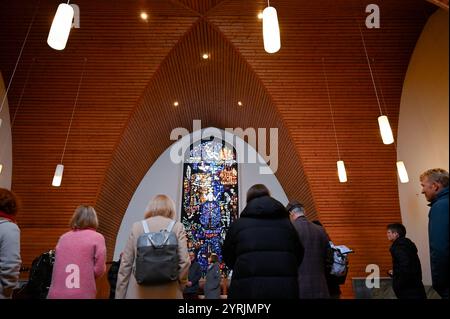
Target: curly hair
x: 8, y: 202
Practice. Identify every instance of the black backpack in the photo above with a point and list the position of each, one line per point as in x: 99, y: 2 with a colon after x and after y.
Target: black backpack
x: 112, y: 278
x: 157, y: 256
x: 41, y: 275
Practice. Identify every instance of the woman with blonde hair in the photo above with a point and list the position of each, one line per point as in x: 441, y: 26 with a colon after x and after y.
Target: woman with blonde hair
x: 80, y: 258
x: 160, y: 213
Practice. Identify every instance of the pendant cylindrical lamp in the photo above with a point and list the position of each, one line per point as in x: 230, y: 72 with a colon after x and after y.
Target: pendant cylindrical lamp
x: 271, y: 30
x: 341, y: 171
x: 58, y: 175
x: 385, y: 130
x: 60, y: 29
x: 1, y: 168
x: 402, y: 173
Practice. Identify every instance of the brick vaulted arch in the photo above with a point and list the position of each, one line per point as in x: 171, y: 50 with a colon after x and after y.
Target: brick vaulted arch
x: 207, y: 90
x: 137, y: 69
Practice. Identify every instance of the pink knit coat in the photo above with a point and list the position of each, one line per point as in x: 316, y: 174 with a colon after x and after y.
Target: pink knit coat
x: 80, y: 259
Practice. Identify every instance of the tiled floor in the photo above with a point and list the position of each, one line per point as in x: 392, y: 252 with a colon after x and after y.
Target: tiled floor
x: 385, y: 290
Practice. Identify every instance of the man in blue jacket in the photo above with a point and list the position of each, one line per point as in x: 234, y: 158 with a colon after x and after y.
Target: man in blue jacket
x: 435, y: 188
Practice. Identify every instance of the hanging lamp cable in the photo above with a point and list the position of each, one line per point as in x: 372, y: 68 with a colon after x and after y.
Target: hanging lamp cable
x: 73, y: 110
x: 19, y: 103
x: 331, y: 109
x: 377, y: 79
x: 380, y: 87
x: 20, y: 55
x: 370, y: 69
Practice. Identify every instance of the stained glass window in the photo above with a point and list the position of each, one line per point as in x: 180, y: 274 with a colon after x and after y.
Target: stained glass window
x: 210, y: 198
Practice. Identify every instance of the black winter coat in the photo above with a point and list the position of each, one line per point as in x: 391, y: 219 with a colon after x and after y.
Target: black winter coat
x: 112, y: 278
x: 407, y: 272
x: 264, y: 251
x: 194, y: 276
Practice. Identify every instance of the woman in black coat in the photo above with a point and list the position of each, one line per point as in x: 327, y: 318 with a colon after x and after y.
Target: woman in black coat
x: 263, y: 250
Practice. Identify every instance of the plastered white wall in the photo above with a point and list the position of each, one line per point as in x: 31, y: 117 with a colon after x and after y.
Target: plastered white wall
x: 423, y: 127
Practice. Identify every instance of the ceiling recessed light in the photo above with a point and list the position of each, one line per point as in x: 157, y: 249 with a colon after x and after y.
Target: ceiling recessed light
x: 144, y: 16
x: 260, y: 16
x: 240, y: 103
x: 205, y: 56
x: 175, y: 103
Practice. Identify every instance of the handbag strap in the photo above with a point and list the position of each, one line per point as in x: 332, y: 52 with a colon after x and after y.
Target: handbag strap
x: 169, y: 227
x: 144, y: 224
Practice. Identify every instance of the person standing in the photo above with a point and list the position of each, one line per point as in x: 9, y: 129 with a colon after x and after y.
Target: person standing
x: 160, y: 213
x: 332, y: 281
x: 213, y: 278
x: 263, y: 250
x: 406, y: 272
x: 79, y: 258
x: 10, y: 260
x: 194, y: 276
x: 434, y: 184
x: 312, y: 283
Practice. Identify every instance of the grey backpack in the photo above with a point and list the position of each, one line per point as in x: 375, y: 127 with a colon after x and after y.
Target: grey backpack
x: 157, y: 256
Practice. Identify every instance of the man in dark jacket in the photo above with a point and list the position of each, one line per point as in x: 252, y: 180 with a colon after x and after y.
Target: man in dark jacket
x: 333, y: 281
x: 263, y: 250
x: 407, y: 272
x: 312, y: 283
x: 435, y: 188
x: 194, y: 275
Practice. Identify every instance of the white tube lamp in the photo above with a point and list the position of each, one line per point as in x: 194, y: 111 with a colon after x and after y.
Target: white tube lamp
x: 385, y: 130
x: 60, y: 29
x: 58, y: 175
x: 402, y: 173
x: 341, y: 171
x: 271, y: 30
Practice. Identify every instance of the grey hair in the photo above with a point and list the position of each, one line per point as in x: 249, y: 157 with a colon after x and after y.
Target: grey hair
x: 437, y: 175
x: 298, y: 210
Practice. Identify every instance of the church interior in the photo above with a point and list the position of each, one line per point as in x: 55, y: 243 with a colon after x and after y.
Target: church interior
x: 104, y: 110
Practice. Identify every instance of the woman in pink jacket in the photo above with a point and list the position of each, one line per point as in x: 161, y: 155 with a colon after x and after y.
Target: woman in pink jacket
x: 80, y: 258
